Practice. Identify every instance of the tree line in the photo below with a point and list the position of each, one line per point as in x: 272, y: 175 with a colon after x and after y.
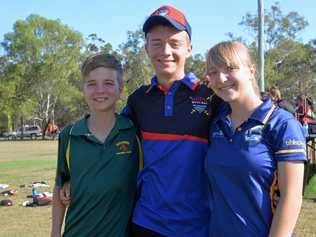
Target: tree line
x: 40, y: 68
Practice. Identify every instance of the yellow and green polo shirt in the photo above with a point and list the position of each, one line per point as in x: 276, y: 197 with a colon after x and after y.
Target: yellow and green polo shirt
x: 102, y: 178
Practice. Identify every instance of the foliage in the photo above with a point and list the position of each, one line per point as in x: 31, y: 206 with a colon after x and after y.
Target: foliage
x: 137, y: 68
x: 42, y: 55
x: 289, y: 64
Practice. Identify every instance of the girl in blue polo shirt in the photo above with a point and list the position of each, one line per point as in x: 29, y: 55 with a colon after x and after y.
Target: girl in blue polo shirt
x: 255, y: 160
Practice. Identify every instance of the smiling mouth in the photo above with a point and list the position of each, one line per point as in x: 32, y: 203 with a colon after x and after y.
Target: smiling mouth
x: 100, y: 99
x: 226, y: 87
x: 165, y: 61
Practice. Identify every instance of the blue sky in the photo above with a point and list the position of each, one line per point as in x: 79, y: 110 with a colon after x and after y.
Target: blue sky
x: 210, y: 19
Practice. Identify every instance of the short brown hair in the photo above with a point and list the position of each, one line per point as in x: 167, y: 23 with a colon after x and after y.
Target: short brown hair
x: 102, y: 60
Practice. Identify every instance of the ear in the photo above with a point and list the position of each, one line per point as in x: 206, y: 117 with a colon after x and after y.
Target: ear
x: 189, y: 50
x: 252, y: 70
x: 209, y: 81
x: 146, y: 45
x: 121, y: 88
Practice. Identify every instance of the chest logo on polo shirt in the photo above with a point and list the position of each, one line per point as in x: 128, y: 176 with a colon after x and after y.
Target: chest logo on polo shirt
x: 254, y: 135
x: 199, y: 105
x: 123, y: 148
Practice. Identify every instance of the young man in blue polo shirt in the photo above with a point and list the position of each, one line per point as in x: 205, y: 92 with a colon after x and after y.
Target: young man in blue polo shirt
x: 172, y: 115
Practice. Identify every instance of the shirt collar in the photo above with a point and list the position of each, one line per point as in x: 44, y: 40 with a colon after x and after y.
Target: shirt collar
x: 189, y: 80
x: 80, y: 128
x: 261, y: 114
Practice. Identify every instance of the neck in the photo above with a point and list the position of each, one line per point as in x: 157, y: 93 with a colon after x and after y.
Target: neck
x: 101, y: 123
x: 243, y: 108
x: 167, y: 80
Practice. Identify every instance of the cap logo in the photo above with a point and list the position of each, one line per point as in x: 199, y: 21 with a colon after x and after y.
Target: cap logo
x: 162, y: 12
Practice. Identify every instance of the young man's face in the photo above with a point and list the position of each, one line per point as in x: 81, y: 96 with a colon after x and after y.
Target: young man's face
x: 168, y: 49
x: 101, y: 89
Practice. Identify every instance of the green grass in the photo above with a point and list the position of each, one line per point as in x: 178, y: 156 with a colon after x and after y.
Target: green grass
x: 310, y: 191
x: 23, y: 162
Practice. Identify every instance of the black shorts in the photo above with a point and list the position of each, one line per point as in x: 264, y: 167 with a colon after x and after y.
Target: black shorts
x: 139, y: 231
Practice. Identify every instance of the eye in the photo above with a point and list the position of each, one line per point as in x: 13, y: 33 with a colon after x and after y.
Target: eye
x: 109, y: 83
x: 231, y: 69
x: 156, y: 44
x: 175, y: 44
x: 90, y: 83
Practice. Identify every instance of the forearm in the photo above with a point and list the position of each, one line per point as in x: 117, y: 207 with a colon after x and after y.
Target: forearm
x: 58, y: 212
x: 285, y: 217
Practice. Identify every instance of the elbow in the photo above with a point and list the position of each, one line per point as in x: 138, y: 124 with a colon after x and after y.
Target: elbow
x: 293, y: 202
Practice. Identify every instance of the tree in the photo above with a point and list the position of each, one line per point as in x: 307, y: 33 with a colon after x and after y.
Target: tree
x: 137, y: 68
x: 43, y: 55
x: 289, y: 64
x: 277, y: 26
x: 196, y: 64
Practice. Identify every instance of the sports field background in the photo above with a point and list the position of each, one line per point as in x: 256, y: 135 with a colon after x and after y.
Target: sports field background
x: 23, y: 162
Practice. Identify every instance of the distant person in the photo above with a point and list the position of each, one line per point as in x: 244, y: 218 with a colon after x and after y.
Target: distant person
x: 255, y: 160
x: 98, y: 156
x: 52, y: 130
x: 304, y: 109
x: 275, y: 95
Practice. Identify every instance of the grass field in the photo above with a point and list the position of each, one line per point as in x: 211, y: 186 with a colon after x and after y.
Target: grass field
x: 23, y: 162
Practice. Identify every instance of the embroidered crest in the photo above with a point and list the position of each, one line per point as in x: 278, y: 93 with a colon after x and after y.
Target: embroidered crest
x: 123, y: 148
x: 254, y: 135
x: 199, y: 105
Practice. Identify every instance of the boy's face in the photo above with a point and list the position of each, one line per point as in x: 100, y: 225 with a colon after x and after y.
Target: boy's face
x: 101, y: 89
x: 168, y: 49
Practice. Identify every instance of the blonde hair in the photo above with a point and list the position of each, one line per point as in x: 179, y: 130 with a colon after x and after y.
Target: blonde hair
x: 275, y: 92
x: 231, y: 54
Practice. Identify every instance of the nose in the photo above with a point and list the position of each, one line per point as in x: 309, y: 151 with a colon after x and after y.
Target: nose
x: 100, y: 88
x: 166, y: 48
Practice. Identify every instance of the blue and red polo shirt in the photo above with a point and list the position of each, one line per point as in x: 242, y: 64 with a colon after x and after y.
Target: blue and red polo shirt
x: 242, y: 168
x: 173, y: 186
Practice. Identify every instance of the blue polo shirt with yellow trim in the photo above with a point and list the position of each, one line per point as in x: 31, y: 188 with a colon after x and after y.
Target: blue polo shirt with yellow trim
x: 173, y: 187
x: 102, y: 179
x: 242, y: 168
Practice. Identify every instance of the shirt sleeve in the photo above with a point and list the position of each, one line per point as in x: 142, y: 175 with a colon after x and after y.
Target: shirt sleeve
x: 62, y: 171
x: 128, y: 110
x: 290, y: 142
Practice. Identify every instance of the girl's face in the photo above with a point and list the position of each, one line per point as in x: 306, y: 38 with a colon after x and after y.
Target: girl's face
x: 231, y: 84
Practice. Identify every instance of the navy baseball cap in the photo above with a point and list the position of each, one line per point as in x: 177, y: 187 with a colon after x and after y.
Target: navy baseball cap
x: 167, y: 15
